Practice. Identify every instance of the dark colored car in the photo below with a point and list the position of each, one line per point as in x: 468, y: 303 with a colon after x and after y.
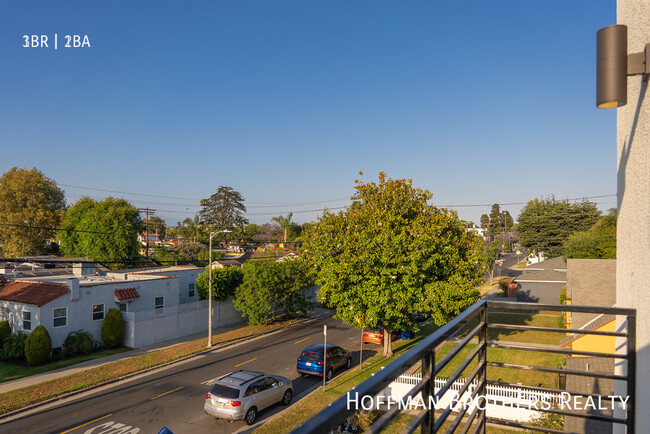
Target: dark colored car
x: 311, y: 360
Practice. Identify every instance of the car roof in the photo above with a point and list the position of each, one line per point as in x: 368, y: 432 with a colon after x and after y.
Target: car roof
x: 239, y: 378
x: 319, y: 347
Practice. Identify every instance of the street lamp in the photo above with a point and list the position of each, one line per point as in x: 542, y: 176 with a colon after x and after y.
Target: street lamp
x: 212, y: 234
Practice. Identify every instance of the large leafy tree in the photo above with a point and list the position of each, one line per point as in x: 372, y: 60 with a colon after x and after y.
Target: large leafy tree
x: 599, y: 242
x: 156, y: 225
x: 272, y: 288
x: 102, y: 231
x: 223, y: 210
x: 31, y: 208
x: 224, y: 282
x: 391, y: 254
x: 545, y: 224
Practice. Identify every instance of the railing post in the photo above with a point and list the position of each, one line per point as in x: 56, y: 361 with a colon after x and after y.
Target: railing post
x: 428, y: 365
x: 631, y: 372
x: 482, y: 360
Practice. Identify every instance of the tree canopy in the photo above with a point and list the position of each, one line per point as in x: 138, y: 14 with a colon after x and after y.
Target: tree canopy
x: 390, y: 255
x: 224, y: 210
x: 545, y: 224
x: 31, y: 208
x: 102, y: 231
x: 598, y: 242
x: 224, y: 282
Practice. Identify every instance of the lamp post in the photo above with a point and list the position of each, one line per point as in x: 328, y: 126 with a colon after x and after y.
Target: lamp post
x: 212, y: 234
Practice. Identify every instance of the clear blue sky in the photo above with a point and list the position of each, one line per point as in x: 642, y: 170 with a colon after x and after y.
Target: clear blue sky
x: 285, y: 101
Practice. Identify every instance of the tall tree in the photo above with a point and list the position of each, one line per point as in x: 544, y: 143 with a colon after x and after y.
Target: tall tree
x: 31, y: 207
x: 267, y: 232
x: 284, y: 223
x: 224, y: 210
x: 545, y: 224
x: 190, y: 228
x: 102, y: 231
x: 599, y: 242
x: 156, y: 225
x: 390, y: 254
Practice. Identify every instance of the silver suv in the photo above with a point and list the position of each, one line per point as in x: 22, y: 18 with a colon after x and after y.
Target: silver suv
x: 242, y: 394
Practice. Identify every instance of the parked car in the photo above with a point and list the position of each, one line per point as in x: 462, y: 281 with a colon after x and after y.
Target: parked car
x: 376, y: 336
x: 311, y: 360
x: 243, y: 394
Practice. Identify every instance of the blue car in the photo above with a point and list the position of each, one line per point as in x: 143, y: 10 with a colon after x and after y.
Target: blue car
x: 311, y: 360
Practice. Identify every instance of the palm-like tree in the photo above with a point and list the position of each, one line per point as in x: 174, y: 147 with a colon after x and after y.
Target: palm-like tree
x: 284, y: 223
x: 191, y: 226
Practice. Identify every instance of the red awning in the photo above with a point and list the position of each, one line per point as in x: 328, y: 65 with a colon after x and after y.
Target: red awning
x: 126, y: 294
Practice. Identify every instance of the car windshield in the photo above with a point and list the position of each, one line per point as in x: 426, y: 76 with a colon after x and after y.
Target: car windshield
x: 312, y: 356
x: 224, y: 391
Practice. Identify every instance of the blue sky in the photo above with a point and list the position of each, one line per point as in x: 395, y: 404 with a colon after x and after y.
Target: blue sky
x: 285, y: 101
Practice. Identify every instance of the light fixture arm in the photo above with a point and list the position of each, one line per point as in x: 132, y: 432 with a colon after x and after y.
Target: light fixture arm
x: 639, y: 63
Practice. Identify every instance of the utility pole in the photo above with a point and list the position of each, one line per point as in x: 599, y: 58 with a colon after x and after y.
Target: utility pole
x: 147, y: 211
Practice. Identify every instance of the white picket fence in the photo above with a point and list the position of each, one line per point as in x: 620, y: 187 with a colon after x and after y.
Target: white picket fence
x: 503, y: 402
x: 148, y: 327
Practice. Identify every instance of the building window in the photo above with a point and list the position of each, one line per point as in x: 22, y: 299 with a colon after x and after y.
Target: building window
x: 27, y: 320
x: 98, y: 312
x: 191, y: 291
x: 60, y: 315
x: 122, y: 307
x: 159, y: 305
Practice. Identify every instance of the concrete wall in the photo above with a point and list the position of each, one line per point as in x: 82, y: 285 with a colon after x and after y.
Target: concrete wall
x: 590, y: 282
x: 633, y: 228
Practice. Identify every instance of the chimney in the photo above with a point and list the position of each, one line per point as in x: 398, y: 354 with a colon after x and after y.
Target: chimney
x: 73, y: 284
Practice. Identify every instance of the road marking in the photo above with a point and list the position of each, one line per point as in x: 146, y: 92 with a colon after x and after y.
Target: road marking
x: 163, y: 394
x: 243, y: 363
x: 88, y: 423
x: 301, y: 340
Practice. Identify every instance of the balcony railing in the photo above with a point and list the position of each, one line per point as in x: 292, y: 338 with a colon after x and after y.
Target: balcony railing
x: 429, y: 420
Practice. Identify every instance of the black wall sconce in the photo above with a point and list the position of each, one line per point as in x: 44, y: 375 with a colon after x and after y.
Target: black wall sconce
x: 614, y: 65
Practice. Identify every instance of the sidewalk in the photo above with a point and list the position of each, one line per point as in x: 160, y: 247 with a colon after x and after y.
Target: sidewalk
x: 73, y: 369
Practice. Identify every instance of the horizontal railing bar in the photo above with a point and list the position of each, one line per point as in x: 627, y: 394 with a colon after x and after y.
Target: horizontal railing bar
x: 521, y: 425
x: 415, y: 422
x: 546, y: 389
x: 492, y: 344
x: 584, y: 416
x: 462, y: 413
x: 457, y: 372
x: 557, y: 371
x: 332, y: 416
x: 562, y: 308
x: 470, y: 420
x: 458, y: 348
x: 480, y: 427
x: 383, y: 421
x: 460, y: 393
x: 441, y: 419
x: 553, y: 329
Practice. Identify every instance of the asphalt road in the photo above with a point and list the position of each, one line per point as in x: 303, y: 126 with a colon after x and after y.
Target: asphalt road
x: 174, y: 397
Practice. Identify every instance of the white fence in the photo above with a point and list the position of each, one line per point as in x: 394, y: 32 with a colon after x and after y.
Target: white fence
x: 503, y: 402
x: 149, y: 327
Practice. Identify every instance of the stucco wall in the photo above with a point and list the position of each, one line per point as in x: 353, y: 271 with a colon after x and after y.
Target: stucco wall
x: 633, y: 227
x: 590, y: 282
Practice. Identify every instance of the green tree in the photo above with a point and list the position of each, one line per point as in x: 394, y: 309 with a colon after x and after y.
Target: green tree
x: 599, y: 242
x: 271, y: 288
x: 545, y: 224
x: 286, y: 224
x: 490, y: 253
x: 102, y: 231
x: 224, y: 282
x: 390, y: 254
x: 113, y: 328
x: 267, y: 233
x: 156, y: 225
x: 190, y: 228
x: 31, y: 208
x: 223, y: 210
x: 38, y: 346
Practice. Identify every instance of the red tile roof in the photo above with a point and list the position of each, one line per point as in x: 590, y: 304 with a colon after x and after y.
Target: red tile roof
x: 32, y: 292
x: 126, y: 294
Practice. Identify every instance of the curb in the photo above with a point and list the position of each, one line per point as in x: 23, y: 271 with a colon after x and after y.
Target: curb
x: 164, y: 365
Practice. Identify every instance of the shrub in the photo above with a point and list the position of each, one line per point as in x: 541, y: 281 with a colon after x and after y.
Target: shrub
x: 77, y: 343
x: 503, y: 284
x: 113, y: 328
x: 38, y: 346
x: 5, y: 331
x: 563, y: 295
x: 14, y: 346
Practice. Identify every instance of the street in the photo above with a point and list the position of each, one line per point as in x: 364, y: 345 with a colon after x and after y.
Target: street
x: 174, y: 397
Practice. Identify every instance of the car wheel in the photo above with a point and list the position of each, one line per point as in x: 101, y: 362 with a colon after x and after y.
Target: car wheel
x: 329, y: 374
x: 348, y: 364
x: 251, y: 415
x: 286, y: 399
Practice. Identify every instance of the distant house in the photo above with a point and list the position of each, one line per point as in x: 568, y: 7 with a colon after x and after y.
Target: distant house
x: 542, y: 282
x: 481, y: 232
x: 153, y: 239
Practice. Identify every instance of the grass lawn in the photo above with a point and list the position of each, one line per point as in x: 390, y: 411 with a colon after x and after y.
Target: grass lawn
x: 30, y: 395
x: 12, y: 371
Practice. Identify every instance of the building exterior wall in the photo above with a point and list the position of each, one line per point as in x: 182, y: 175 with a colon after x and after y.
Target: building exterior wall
x: 595, y: 343
x: 187, y: 276
x: 539, y: 292
x: 590, y: 282
x: 633, y: 226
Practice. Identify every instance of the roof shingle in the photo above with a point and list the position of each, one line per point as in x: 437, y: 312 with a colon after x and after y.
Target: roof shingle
x: 126, y: 294
x: 32, y: 292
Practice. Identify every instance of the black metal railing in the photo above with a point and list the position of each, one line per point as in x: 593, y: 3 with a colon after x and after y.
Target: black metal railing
x: 425, y: 353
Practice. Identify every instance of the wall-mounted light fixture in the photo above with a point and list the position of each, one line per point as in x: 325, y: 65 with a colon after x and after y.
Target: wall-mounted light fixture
x: 614, y: 65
